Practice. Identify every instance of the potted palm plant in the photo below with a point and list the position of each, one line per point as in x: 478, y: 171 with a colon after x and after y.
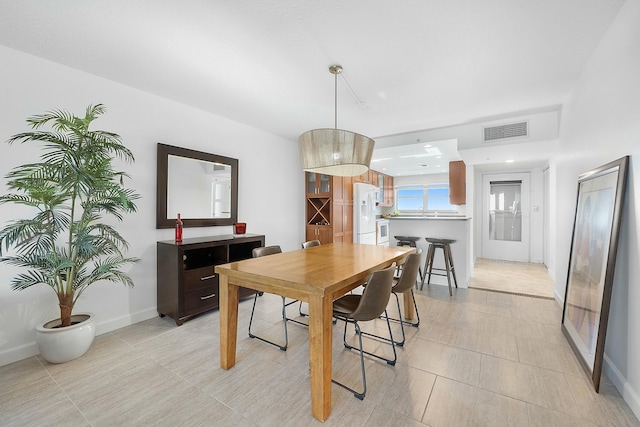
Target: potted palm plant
x: 65, y: 244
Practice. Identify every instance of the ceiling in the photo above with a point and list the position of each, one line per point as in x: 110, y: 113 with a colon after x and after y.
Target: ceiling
x: 414, y: 70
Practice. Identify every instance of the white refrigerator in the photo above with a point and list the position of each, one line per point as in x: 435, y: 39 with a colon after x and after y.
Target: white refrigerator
x: 364, y: 213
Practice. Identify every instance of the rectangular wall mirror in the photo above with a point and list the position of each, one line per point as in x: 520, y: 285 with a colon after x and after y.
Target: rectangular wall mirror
x: 201, y: 187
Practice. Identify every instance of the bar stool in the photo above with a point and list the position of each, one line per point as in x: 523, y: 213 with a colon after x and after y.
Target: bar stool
x: 443, y: 244
x: 408, y: 241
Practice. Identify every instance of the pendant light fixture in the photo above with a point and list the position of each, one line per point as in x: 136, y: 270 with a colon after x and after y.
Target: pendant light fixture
x: 335, y: 151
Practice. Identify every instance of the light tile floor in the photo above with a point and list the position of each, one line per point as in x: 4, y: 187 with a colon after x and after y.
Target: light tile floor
x: 478, y: 359
x: 514, y: 277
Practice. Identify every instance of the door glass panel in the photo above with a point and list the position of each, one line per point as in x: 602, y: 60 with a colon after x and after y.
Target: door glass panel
x: 311, y: 183
x: 325, y: 183
x: 505, y: 213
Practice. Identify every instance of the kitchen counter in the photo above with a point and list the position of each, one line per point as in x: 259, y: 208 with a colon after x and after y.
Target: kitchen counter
x: 455, y: 228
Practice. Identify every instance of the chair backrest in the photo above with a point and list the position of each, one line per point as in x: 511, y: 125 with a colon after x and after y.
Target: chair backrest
x: 266, y: 250
x: 310, y: 244
x: 409, y: 273
x: 375, y: 296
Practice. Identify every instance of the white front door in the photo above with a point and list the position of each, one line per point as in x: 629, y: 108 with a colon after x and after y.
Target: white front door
x: 505, y: 218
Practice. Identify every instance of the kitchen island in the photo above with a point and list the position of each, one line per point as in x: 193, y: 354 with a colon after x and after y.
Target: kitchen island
x: 457, y: 228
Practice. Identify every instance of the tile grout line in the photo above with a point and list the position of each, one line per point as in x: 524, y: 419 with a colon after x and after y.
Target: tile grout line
x: 65, y: 393
x: 513, y: 293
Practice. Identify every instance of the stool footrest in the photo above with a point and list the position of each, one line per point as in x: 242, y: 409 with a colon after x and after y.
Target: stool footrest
x: 438, y: 274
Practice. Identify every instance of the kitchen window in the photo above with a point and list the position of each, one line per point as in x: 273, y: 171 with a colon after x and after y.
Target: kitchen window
x: 422, y: 199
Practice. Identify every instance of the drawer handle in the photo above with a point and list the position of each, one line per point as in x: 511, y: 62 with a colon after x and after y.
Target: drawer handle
x: 208, y: 277
x: 207, y: 297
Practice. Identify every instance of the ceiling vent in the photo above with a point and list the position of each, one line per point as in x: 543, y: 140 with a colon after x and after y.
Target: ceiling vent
x: 513, y: 130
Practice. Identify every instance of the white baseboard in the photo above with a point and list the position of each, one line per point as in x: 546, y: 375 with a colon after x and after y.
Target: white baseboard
x: 620, y: 382
x: 551, y: 274
x: 559, y: 298
x: 129, y: 319
x: 18, y: 353
x: 31, y: 349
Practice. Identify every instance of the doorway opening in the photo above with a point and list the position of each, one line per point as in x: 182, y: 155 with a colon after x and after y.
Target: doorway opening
x: 511, y: 227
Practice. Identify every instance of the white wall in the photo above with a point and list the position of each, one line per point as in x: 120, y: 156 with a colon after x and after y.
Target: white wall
x: 600, y: 124
x: 270, y: 185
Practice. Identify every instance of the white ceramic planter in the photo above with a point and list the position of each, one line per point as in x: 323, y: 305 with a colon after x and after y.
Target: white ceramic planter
x: 59, y: 345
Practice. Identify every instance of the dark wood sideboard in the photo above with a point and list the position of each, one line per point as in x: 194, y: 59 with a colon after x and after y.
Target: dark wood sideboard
x: 187, y: 284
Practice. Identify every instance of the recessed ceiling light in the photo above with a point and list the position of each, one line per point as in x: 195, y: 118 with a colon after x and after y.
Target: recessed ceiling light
x: 414, y: 155
x: 380, y: 160
x: 509, y: 161
x: 428, y: 146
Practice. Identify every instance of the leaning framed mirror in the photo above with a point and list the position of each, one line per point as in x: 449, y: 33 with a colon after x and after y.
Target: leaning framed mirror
x: 592, y: 263
x: 202, y: 187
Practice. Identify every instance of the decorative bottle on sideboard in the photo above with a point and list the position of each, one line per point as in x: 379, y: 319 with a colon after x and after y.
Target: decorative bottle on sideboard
x: 178, y: 230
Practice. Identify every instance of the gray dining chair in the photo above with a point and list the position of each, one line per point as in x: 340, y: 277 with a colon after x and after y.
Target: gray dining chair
x: 406, y: 283
x: 354, y: 308
x: 305, y: 245
x: 310, y: 244
x: 260, y: 252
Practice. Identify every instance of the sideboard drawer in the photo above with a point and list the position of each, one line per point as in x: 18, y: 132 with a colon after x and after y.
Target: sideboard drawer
x: 199, y: 277
x: 201, y: 299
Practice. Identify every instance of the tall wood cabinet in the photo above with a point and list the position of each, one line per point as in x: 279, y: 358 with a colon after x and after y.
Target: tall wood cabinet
x: 457, y: 183
x: 329, y: 208
x: 186, y: 281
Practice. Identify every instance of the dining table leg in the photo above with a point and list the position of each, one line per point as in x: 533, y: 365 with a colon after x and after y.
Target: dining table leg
x: 409, y: 311
x: 320, y: 331
x: 228, y: 322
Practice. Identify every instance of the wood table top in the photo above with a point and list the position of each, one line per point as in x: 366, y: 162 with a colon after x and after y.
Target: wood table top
x: 320, y: 270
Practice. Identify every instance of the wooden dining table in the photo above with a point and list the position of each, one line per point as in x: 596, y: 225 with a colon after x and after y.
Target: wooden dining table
x: 316, y: 275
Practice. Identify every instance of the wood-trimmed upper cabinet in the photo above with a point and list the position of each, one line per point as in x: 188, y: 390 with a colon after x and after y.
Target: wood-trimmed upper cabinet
x: 318, y: 184
x: 388, y: 190
x: 457, y: 183
x: 385, y: 186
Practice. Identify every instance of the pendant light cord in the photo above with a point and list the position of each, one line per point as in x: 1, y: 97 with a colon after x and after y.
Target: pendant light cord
x: 335, y: 97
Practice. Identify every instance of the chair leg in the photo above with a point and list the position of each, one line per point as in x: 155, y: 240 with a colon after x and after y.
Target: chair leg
x: 304, y: 315
x: 284, y: 316
x: 300, y: 310
x: 402, y: 321
x: 400, y: 343
x: 364, y: 376
x: 391, y: 362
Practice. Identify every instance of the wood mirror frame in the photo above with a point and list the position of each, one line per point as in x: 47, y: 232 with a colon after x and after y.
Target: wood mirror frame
x: 162, y: 216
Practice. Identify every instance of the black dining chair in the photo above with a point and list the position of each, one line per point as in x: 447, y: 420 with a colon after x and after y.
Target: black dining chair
x: 354, y: 308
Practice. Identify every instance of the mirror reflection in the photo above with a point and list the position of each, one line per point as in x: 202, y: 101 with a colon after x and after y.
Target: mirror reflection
x: 198, y: 189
